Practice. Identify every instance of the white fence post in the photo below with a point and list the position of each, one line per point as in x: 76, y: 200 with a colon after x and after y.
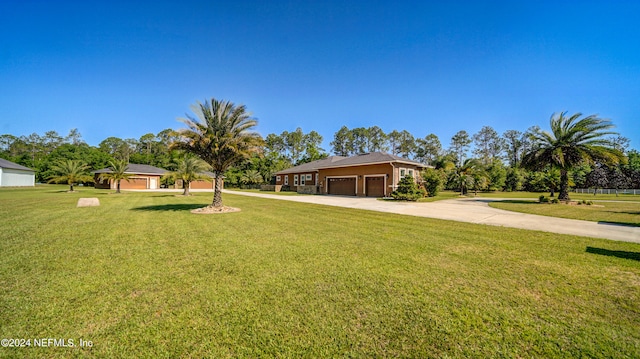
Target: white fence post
x: 633, y: 191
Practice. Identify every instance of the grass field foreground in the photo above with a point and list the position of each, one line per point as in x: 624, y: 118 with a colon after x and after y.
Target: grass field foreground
x: 140, y: 276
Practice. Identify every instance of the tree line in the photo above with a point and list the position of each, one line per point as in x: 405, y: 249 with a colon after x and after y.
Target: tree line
x: 482, y: 161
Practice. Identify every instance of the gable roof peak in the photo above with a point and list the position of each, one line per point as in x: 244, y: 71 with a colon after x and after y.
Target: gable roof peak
x: 12, y: 165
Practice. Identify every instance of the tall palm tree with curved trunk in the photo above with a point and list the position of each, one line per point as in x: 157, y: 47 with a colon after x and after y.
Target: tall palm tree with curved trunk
x: 71, y: 171
x: 220, y: 134
x: 118, y: 173
x: 189, y: 169
x: 572, y: 141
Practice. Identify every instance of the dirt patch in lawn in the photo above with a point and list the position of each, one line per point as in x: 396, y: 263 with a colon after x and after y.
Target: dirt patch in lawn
x: 214, y: 210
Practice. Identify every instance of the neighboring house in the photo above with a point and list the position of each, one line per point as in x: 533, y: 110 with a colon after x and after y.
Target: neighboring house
x: 143, y: 177
x: 15, y: 175
x: 373, y: 174
x: 203, y: 183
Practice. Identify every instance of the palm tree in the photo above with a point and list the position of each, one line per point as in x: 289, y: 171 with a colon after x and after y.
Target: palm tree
x: 118, y: 173
x: 251, y: 177
x: 189, y: 169
x: 464, y: 175
x: 71, y: 171
x: 220, y: 135
x: 572, y: 141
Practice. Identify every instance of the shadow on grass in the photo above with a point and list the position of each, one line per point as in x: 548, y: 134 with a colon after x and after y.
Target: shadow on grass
x: 624, y: 224
x: 520, y: 201
x: 619, y: 254
x: 170, y: 207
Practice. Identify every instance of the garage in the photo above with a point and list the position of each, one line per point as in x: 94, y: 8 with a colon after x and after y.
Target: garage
x: 344, y: 186
x: 13, y: 174
x: 374, y: 186
x: 134, y: 183
x: 201, y: 184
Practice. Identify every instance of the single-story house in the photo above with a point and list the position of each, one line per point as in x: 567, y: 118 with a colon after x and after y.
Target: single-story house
x: 143, y: 177
x: 373, y: 174
x: 207, y: 183
x: 15, y: 175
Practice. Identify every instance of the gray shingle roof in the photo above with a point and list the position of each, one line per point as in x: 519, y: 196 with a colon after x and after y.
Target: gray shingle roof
x: 358, y: 160
x: 135, y: 168
x: 372, y: 158
x: 311, y: 166
x: 8, y: 164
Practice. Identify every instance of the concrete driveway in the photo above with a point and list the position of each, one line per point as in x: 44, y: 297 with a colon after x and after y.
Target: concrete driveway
x: 472, y: 210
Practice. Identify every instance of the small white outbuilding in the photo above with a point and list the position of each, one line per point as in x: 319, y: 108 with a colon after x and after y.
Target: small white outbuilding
x: 15, y: 175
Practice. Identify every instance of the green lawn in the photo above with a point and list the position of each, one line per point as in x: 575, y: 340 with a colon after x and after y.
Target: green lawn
x: 574, y: 196
x: 140, y: 276
x: 441, y: 195
x: 613, y: 212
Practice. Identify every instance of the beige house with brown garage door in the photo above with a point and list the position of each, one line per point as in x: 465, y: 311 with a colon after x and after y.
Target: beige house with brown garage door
x: 142, y: 177
x: 373, y: 174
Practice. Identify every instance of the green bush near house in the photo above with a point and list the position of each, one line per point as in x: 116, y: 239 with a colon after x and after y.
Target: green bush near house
x: 408, y: 190
x: 432, y: 181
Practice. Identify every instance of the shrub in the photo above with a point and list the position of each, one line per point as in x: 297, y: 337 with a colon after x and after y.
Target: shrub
x: 543, y: 199
x: 408, y: 190
x: 555, y: 200
x: 432, y: 181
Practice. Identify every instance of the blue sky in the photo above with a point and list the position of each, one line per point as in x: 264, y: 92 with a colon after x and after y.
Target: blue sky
x: 127, y: 68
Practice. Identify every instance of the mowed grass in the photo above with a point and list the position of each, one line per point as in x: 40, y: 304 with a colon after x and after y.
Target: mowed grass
x: 627, y: 213
x: 141, y: 277
x: 441, y: 195
x: 574, y: 196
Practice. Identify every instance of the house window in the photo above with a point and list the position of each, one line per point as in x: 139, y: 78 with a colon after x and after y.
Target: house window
x: 403, y: 172
x: 278, y: 178
x: 411, y: 173
x: 286, y: 180
x: 295, y: 180
x: 302, y: 180
x: 308, y: 177
x: 316, y: 179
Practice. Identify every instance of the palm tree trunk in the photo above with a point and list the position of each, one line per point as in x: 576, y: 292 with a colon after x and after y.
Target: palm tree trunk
x: 217, y: 190
x: 185, y: 184
x: 118, y: 186
x: 564, y: 186
x: 70, y: 187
